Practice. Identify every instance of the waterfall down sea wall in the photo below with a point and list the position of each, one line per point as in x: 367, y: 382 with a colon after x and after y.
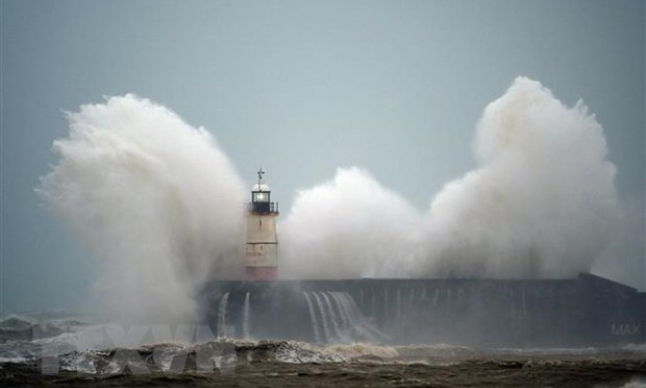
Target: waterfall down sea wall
x: 587, y: 310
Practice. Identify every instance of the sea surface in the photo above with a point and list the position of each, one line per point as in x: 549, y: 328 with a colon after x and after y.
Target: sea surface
x: 58, y: 349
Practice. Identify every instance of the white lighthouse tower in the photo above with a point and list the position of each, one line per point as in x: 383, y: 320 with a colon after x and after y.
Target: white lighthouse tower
x: 261, y: 258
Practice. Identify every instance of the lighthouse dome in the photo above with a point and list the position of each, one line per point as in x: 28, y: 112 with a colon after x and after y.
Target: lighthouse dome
x: 261, y: 187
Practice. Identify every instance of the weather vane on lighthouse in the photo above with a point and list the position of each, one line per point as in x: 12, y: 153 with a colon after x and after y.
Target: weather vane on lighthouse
x: 260, y: 174
x: 261, y: 257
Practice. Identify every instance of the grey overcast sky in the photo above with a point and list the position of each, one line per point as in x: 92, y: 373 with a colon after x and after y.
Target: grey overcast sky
x: 301, y: 88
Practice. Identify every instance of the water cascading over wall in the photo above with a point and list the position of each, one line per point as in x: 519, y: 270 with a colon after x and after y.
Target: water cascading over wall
x: 583, y: 311
x: 318, y: 316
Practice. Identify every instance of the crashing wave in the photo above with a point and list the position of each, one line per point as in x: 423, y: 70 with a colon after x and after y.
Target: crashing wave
x: 28, y: 328
x: 220, y: 355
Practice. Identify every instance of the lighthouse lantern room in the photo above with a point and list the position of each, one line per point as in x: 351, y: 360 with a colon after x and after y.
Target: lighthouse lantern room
x: 261, y: 258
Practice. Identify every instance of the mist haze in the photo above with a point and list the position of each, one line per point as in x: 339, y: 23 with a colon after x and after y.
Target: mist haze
x: 160, y: 206
x: 373, y: 97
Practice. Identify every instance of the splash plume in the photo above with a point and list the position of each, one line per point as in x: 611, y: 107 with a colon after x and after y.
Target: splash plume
x: 541, y: 203
x: 349, y: 227
x: 154, y: 201
x: 160, y: 206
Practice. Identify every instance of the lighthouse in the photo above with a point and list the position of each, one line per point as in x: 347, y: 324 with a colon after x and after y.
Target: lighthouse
x: 261, y: 257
